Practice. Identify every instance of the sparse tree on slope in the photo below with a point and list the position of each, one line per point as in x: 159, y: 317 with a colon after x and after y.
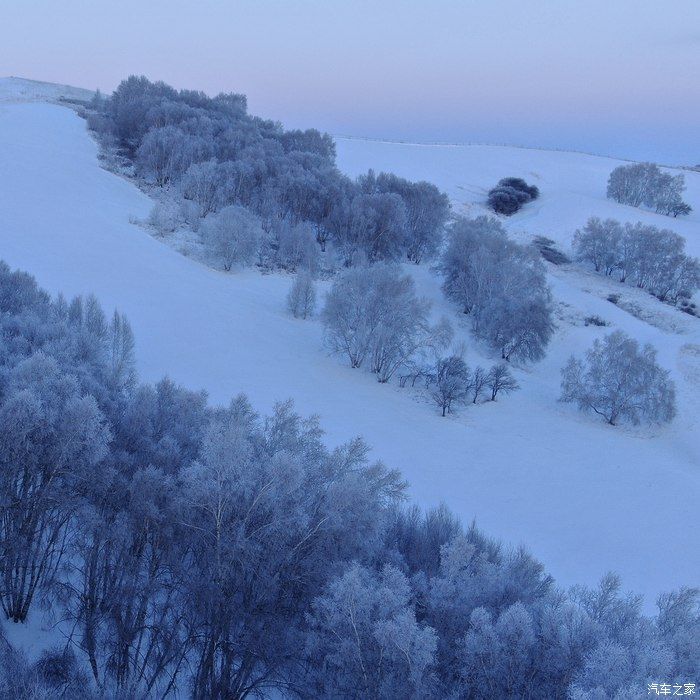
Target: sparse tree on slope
x: 301, y: 299
x: 618, y: 380
x: 499, y: 380
x: 449, y: 383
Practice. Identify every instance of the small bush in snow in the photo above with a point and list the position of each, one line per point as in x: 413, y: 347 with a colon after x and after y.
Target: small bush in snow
x: 301, y: 300
x: 232, y: 236
x: 618, y: 380
x: 549, y: 251
x: 163, y: 218
x: 595, y: 321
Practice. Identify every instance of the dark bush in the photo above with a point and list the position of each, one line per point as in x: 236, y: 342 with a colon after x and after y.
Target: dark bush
x: 506, y: 200
x: 509, y: 195
x: 517, y: 183
x: 547, y: 249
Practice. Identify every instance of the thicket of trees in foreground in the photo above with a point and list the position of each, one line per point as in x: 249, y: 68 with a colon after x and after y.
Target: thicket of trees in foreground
x: 232, y: 555
x: 650, y: 258
x: 210, y: 155
x: 646, y: 184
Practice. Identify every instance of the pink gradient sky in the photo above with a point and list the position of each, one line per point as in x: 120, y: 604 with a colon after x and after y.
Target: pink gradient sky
x: 617, y: 77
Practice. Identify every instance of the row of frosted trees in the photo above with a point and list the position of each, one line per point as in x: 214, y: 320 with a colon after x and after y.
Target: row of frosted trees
x: 211, y: 156
x: 224, y: 554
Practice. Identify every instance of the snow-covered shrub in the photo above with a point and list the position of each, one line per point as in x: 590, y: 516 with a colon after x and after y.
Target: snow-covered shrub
x: 506, y: 200
x: 232, y: 236
x: 301, y: 300
x: 618, y: 380
x: 164, y: 217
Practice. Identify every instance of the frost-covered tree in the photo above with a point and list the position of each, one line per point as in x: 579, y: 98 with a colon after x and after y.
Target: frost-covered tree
x: 500, y: 380
x: 301, y: 299
x: 373, y: 313
x: 369, y: 227
x: 268, y: 510
x: 599, y: 243
x: 427, y: 210
x: 297, y: 248
x: 202, y: 184
x: 618, y: 380
x: 232, y: 236
x: 477, y: 383
x: 501, y: 285
x: 651, y: 258
x: 647, y: 184
x: 51, y: 437
x: 167, y: 152
x: 449, y: 383
x: 365, y: 641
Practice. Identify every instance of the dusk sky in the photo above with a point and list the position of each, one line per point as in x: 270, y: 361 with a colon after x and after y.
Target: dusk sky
x: 619, y: 77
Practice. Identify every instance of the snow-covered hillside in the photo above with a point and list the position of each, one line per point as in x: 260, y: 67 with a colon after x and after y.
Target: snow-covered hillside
x: 22, y: 90
x: 584, y: 497
x: 572, y: 185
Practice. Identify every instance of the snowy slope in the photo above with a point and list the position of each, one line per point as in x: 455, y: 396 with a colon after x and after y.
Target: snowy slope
x: 22, y: 90
x: 584, y: 497
x: 572, y: 185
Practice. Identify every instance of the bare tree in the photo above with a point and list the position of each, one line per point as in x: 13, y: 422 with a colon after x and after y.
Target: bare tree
x: 449, y: 383
x: 499, y: 379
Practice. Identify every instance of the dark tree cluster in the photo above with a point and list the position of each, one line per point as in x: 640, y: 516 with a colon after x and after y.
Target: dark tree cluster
x: 648, y: 257
x: 208, y: 552
x: 646, y: 184
x: 450, y: 383
x: 510, y: 194
x: 212, y: 155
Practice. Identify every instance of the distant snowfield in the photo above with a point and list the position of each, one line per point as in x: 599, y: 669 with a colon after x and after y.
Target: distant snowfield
x: 585, y: 498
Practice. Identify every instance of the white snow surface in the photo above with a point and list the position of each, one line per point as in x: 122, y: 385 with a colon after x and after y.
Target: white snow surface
x: 584, y: 497
x: 22, y: 90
